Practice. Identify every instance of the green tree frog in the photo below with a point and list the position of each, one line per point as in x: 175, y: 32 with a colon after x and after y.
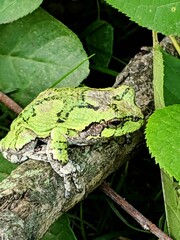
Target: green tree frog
x: 61, y: 117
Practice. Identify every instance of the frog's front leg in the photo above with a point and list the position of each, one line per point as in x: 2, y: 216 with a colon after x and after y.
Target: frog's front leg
x: 57, y: 153
x: 57, y: 146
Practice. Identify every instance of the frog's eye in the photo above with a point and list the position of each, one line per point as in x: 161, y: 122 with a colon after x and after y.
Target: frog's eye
x: 115, y: 123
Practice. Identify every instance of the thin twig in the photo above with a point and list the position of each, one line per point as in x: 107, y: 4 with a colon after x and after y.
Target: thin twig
x: 10, y: 103
x: 175, y: 43
x: 143, y: 221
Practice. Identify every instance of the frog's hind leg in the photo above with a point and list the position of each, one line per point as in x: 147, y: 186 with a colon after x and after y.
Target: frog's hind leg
x: 25, y: 136
x: 18, y: 144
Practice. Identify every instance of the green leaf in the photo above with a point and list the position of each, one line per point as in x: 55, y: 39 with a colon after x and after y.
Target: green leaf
x: 11, y: 10
x: 36, y: 51
x: 6, y: 167
x: 172, y: 203
x: 171, y: 79
x: 60, y: 230
x: 161, y: 16
x: 99, y: 39
x: 163, y: 139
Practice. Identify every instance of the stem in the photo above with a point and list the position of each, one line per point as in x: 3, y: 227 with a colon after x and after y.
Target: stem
x: 143, y: 221
x: 175, y: 43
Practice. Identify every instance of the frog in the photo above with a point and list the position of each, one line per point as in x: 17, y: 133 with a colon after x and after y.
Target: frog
x: 59, y: 118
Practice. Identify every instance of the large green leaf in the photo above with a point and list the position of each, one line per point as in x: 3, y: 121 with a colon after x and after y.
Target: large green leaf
x: 36, y: 51
x: 163, y: 139
x: 160, y: 15
x: 11, y: 10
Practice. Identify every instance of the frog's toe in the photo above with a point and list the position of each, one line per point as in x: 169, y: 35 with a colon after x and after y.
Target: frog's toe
x: 70, y: 173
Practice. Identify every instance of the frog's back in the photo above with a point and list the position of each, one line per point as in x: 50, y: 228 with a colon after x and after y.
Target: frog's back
x: 49, y: 108
x: 70, y: 96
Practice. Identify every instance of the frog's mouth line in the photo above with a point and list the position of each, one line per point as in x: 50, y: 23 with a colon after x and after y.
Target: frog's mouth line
x: 96, y: 128
x: 119, y: 123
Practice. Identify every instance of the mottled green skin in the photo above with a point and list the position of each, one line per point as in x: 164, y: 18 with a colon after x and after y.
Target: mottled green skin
x: 68, y: 116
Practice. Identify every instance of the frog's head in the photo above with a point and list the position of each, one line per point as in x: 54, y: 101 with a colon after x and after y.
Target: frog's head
x: 117, y: 110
